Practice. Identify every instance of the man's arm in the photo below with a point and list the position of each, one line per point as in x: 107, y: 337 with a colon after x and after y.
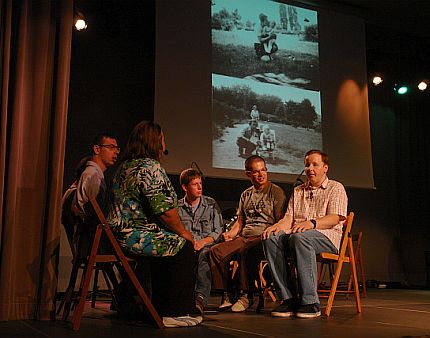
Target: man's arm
x: 283, y: 225
x: 171, y: 220
x: 234, y: 230
x: 325, y: 222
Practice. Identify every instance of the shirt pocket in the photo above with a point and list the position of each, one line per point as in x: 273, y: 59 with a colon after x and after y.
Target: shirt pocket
x: 206, y: 225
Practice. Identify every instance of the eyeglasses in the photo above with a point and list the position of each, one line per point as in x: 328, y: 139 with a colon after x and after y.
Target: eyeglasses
x: 110, y: 147
x: 256, y: 172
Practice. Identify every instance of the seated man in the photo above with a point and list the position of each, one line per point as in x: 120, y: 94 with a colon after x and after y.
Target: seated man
x: 91, y: 183
x: 200, y: 215
x: 311, y: 225
x: 247, y: 141
x: 260, y: 206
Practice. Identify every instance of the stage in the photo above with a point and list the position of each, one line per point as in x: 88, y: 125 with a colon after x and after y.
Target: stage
x: 386, y: 313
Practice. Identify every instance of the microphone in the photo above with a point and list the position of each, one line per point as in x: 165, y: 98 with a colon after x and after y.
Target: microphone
x: 196, y: 166
x: 298, y: 180
x: 166, y: 152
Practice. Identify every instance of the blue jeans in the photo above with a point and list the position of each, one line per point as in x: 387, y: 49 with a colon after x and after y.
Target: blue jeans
x: 203, y: 275
x: 303, y: 247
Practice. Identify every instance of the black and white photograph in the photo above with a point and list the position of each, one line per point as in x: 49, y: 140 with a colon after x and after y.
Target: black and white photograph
x: 277, y: 123
x: 266, y: 41
x: 265, y: 84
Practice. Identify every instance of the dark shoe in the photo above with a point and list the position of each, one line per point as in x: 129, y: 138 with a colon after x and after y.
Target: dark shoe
x: 284, y: 310
x: 309, y: 311
x: 260, y: 305
x: 225, y: 303
x: 200, y: 306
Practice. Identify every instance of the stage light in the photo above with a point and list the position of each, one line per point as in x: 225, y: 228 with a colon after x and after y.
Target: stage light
x: 422, y: 86
x: 401, y: 89
x: 377, y: 80
x: 80, y: 22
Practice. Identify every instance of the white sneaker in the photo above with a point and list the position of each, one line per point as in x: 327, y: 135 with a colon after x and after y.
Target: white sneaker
x: 225, y: 303
x: 241, y: 305
x: 182, y: 321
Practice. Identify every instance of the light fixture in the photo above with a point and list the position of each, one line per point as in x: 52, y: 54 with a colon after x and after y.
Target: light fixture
x: 377, y: 80
x: 401, y: 89
x: 80, y: 22
x: 422, y: 85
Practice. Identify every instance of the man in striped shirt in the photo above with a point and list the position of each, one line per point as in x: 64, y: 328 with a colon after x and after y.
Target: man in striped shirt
x: 311, y: 225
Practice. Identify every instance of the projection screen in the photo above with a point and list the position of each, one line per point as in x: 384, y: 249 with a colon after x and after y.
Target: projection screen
x: 241, y: 77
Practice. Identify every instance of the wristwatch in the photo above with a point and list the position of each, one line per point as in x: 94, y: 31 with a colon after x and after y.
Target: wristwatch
x: 314, y: 222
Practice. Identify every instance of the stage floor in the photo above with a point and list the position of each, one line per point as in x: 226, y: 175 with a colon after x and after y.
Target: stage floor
x: 386, y: 313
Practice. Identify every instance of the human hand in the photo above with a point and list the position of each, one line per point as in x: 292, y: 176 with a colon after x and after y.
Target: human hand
x: 302, y: 226
x: 199, y: 245
x: 227, y: 236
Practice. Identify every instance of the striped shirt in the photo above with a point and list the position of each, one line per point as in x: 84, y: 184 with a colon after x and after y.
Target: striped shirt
x: 312, y: 203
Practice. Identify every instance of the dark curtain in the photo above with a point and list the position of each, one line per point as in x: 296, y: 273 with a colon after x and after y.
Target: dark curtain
x: 34, y: 68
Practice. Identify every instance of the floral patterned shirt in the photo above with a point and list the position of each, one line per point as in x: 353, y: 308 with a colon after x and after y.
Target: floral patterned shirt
x: 142, y: 191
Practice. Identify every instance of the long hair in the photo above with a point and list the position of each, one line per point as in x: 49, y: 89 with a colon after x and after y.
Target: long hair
x: 144, y: 142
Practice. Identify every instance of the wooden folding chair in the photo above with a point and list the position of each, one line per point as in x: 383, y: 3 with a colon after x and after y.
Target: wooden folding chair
x: 358, y: 262
x: 356, y: 240
x: 346, y: 247
x: 79, y: 237
x: 117, y: 257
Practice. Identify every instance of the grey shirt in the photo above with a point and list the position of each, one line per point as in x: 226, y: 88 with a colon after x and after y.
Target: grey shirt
x: 260, y: 209
x: 91, y: 182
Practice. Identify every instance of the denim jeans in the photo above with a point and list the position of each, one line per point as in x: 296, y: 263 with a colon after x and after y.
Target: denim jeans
x: 203, y: 275
x: 303, y: 247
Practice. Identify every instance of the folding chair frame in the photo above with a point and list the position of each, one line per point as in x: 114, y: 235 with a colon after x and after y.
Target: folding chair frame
x: 118, y: 257
x: 340, y: 259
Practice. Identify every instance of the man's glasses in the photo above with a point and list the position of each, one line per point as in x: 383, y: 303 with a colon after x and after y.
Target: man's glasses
x: 110, y: 147
x: 256, y: 172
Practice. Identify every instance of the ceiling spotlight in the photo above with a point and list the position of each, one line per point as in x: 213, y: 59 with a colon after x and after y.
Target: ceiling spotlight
x: 80, y: 24
x: 401, y: 89
x: 422, y: 86
x: 377, y: 80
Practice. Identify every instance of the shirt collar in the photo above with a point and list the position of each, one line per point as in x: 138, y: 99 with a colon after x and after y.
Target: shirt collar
x: 323, y: 185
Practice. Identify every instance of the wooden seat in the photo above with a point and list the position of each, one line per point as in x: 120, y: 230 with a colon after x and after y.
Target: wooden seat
x: 346, y: 255
x: 117, y: 258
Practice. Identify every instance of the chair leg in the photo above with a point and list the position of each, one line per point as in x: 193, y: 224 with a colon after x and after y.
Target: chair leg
x: 363, y: 278
x: 77, y: 314
x: 68, y: 295
x: 354, y: 274
x: 95, y: 287
x: 333, y: 289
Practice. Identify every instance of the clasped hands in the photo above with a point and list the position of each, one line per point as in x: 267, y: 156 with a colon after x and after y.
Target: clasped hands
x: 288, y: 229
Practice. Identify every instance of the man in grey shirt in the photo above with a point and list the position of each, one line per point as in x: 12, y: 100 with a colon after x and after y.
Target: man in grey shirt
x: 91, y: 182
x: 260, y: 206
x: 202, y: 216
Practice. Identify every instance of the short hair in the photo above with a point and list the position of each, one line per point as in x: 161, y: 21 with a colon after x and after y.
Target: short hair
x: 98, y: 139
x: 144, y: 141
x: 188, y: 175
x: 251, y: 159
x: 324, y: 156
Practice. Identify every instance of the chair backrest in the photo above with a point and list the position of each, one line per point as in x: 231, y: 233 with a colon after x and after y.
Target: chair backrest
x: 68, y: 219
x: 347, y: 226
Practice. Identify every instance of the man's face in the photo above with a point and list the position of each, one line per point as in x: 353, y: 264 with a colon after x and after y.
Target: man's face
x: 193, y: 189
x: 107, y: 151
x: 315, y: 169
x: 258, y: 174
